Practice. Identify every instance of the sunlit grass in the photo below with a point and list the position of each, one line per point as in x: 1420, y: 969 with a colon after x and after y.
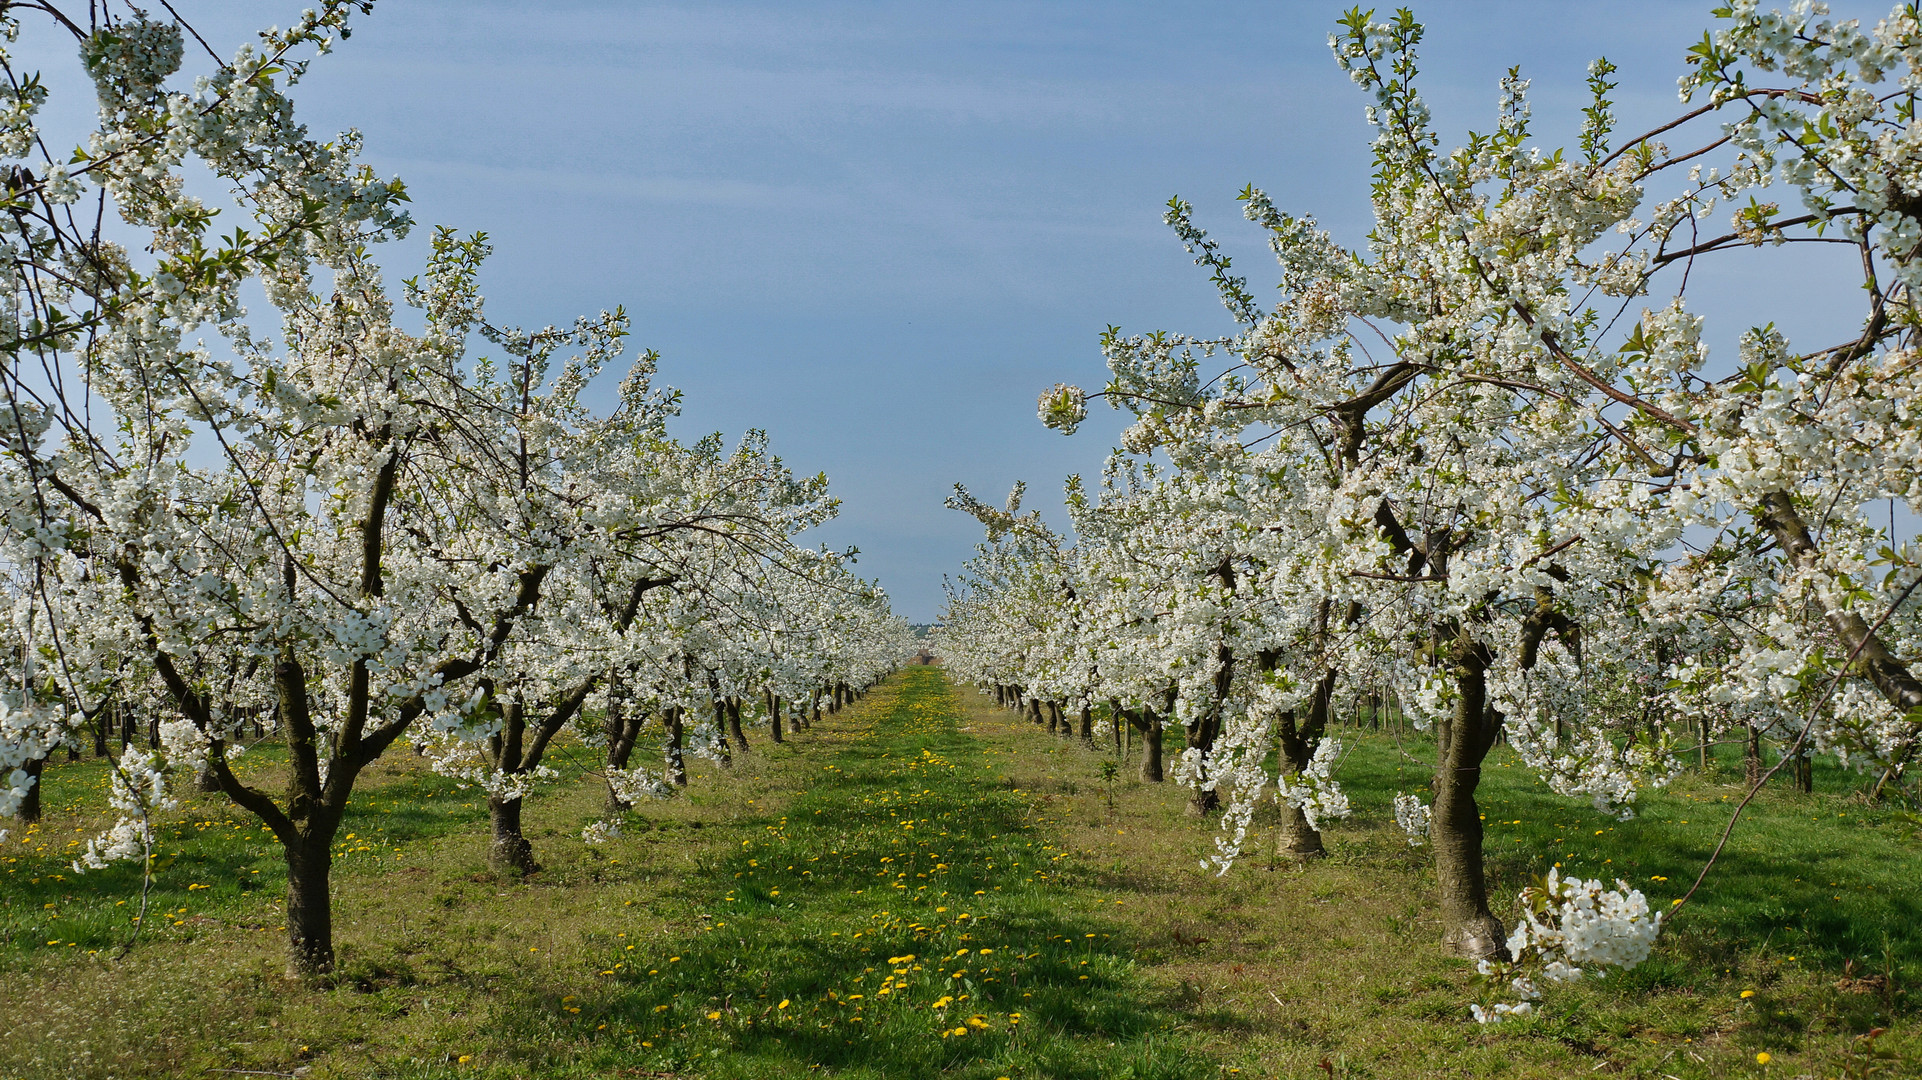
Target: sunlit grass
x: 909, y: 890
x: 1279, y: 966
x: 869, y: 900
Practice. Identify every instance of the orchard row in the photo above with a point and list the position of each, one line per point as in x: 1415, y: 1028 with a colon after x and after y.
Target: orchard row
x: 1485, y: 466
x: 365, y: 518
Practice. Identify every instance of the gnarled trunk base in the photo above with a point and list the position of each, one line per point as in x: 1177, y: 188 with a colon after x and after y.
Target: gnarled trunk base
x: 1296, y: 839
x: 507, y: 849
x: 1151, y: 748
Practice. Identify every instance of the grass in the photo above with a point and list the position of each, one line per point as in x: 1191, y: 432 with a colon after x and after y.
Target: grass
x: 1282, y: 967
x: 929, y: 886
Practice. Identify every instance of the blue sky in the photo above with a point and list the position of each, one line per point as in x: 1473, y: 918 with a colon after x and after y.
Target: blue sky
x: 879, y: 230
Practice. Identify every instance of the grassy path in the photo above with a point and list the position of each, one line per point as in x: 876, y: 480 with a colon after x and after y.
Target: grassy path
x: 900, y: 918
x: 900, y: 877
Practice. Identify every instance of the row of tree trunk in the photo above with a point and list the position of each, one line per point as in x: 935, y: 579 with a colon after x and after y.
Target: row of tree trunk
x: 526, y: 732
x: 108, y: 724
x: 513, y: 752
x: 1145, y: 722
x: 1463, y: 741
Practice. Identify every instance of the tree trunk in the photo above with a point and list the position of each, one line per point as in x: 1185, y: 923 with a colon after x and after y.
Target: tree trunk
x: 1201, y: 736
x: 1204, y: 729
x: 1202, y: 801
x: 676, y: 760
x: 1702, y: 750
x: 1087, y: 725
x: 1296, y: 745
x: 621, y: 729
x: 1034, y: 711
x: 1295, y: 839
x: 720, y: 731
x: 310, y: 914
x: 1805, y: 772
x: 1752, y: 757
x: 509, y: 849
x: 774, y: 717
x: 1470, y: 929
x: 100, y: 721
x: 1150, y: 746
x: 734, y: 724
x: 29, y: 812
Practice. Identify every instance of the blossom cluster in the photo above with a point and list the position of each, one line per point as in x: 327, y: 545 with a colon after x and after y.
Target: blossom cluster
x: 1568, y: 924
x: 1412, y: 815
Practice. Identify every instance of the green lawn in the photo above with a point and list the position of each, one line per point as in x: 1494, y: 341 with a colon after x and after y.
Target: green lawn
x: 878, y: 905
x: 929, y: 886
